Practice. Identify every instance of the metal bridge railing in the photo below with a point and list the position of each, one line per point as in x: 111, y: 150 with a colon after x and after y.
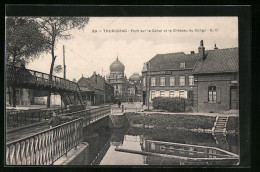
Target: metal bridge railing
x: 91, y: 115
x: 46, y: 147
x: 22, y: 76
x: 17, y: 118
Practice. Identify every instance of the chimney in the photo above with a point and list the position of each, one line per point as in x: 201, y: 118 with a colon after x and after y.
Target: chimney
x: 95, y: 76
x: 192, y: 52
x: 215, y: 48
x: 201, y: 50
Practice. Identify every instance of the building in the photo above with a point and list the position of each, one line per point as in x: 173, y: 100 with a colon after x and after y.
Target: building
x: 216, y: 77
x: 109, y: 93
x: 118, y: 80
x: 87, y: 91
x: 134, y: 87
x: 93, y: 89
x: 169, y: 75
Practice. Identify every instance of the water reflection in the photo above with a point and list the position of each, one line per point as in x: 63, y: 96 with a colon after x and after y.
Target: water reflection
x: 103, y: 142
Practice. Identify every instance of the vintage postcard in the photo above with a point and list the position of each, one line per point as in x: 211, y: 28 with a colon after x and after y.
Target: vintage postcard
x: 122, y: 91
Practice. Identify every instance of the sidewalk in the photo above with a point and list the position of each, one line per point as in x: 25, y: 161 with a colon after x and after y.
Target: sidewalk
x: 25, y: 132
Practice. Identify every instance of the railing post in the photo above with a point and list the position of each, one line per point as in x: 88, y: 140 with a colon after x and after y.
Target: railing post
x: 17, y: 121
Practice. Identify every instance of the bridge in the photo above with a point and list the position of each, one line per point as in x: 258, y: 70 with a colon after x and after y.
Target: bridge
x: 47, y: 146
x: 20, y: 77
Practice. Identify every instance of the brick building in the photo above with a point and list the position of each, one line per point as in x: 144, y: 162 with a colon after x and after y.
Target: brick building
x: 93, y: 89
x: 216, y: 77
x: 170, y: 76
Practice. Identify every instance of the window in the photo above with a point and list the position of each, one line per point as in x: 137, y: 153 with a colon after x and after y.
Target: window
x: 162, y: 81
x: 144, y: 82
x: 162, y: 93
x: 182, y: 65
x: 182, y: 80
x: 132, y: 91
x: 171, y: 93
x: 191, y: 80
x: 152, y: 94
x: 172, y: 81
x: 182, y: 94
x: 153, y: 81
x: 212, y: 94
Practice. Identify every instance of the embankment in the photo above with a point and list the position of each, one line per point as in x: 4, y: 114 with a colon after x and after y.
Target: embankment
x: 196, y: 123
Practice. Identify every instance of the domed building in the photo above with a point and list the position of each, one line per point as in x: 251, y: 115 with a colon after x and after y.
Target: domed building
x: 118, y: 80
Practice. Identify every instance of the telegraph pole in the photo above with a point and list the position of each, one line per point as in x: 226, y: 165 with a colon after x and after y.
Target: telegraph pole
x: 64, y: 66
x: 64, y: 72
x: 148, y: 95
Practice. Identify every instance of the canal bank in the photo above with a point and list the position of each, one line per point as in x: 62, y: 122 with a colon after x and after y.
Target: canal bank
x: 190, y: 122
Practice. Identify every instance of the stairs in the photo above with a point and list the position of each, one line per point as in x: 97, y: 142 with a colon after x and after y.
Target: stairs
x: 220, y: 124
x: 220, y: 138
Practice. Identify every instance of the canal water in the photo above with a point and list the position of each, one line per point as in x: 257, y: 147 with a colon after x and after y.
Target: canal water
x: 103, y: 141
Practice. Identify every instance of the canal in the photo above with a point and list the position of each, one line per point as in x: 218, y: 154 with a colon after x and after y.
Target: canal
x: 103, y: 141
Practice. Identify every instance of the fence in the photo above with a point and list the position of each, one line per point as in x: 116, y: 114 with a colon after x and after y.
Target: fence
x: 17, y: 118
x: 92, y: 115
x: 45, y: 147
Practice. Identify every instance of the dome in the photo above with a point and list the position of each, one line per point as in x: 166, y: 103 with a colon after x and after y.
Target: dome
x: 117, y: 66
x: 135, y: 77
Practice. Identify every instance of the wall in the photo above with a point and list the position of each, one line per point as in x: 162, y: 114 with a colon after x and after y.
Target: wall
x: 222, y: 83
x: 77, y: 156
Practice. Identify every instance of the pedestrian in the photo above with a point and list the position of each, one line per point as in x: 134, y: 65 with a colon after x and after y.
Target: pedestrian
x: 55, y: 120
x: 119, y: 103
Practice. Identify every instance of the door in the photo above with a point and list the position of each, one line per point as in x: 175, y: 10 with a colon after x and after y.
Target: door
x: 234, y: 98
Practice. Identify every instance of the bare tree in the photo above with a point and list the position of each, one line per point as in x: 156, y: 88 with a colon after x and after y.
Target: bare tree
x: 55, y: 28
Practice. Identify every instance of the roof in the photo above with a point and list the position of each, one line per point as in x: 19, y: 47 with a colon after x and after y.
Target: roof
x: 171, y: 61
x: 95, y: 85
x: 117, y: 66
x: 218, y: 61
x: 85, y: 84
x: 134, y: 77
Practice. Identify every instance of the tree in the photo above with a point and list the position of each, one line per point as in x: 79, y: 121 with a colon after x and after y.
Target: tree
x: 58, y: 69
x: 55, y: 28
x: 24, y: 42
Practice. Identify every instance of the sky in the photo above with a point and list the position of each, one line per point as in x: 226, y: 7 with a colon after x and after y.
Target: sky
x: 138, y: 40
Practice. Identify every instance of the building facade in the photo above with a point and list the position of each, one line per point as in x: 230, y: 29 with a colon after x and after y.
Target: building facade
x: 169, y: 75
x: 135, y: 88
x: 109, y: 93
x: 216, y: 75
x: 118, y: 80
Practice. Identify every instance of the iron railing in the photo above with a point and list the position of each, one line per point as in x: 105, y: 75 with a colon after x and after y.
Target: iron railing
x: 17, y: 118
x: 92, y: 115
x: 22, y: 76
x: 46, y: 147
